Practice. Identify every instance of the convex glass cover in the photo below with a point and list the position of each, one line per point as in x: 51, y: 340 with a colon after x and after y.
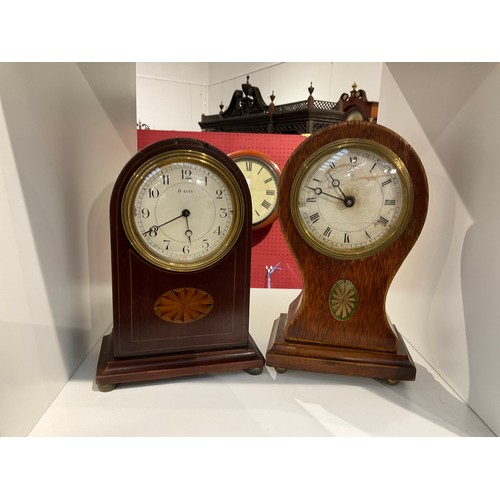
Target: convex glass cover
x: 182, y: 211
x: 351, y: 199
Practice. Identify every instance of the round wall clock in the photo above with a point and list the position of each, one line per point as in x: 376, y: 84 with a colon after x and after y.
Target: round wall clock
x: 180, y: 218
x: 352, y: 202
x: 262, y: 175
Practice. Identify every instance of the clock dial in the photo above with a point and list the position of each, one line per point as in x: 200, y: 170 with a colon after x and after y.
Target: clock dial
x: 262, y: 176
x: 351, y: 199
x: 181, y: 211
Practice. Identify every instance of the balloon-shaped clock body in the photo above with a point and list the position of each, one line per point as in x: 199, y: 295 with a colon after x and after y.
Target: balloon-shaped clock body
x: 353, y: 199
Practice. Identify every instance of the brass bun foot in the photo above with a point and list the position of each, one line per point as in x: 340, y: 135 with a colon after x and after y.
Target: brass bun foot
x: 392, y: 381
x: 280, y: 370
x: 255, y: 371
x: 106, y: 387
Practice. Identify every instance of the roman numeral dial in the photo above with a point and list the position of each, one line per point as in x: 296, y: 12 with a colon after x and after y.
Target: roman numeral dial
x: 357, y: 208
x: 262, y: 176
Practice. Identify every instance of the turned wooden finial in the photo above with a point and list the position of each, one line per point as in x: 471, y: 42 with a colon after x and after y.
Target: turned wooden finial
x: 271, y: 106
x: 310, y: 99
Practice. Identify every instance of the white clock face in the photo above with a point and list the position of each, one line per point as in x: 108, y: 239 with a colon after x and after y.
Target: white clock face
x: 182, y: 211
x: 351, y: 199
x: 262, y: 179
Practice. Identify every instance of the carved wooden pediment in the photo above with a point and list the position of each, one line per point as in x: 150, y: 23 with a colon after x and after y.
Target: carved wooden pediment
x: 248, y: 112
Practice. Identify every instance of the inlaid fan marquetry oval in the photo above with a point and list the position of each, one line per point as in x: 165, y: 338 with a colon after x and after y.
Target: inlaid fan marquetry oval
x: 343, y: 300
x: 183, y: 305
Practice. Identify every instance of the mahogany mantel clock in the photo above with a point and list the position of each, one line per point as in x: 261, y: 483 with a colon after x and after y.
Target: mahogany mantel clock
x: 180, y: 216
x: 352, y: 202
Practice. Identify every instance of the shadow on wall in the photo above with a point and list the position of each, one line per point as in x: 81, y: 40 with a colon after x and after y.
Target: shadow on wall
x: 459, y: 114
x: 37, y: 124
x: 480, y: 279
x: 101, y: 304
x: 62, y: 141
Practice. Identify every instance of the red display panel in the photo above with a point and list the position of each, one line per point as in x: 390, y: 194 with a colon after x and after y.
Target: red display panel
x: 269, y: 249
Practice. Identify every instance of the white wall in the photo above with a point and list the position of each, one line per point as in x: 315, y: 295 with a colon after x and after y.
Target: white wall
x: 446, y: 294
x: 66, y: 130
x: 173, y: 96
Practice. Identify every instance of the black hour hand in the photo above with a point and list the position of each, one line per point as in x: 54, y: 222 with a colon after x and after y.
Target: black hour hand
x: 319, y: 191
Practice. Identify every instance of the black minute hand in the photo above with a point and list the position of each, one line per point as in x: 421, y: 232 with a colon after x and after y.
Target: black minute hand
x: 164, y: 224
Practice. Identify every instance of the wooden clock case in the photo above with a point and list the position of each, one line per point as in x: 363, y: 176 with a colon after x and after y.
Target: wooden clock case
x: 308, y: 337
x: 143, y: 347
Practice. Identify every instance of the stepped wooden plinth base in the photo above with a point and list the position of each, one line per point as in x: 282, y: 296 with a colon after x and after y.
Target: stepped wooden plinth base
x: 112, y: 371
x: 284, y: 355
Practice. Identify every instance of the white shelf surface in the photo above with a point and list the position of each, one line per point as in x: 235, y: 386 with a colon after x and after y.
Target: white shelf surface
x: 237, y: 404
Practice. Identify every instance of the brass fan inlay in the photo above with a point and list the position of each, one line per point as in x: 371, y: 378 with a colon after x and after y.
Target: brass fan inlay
x: 343, y: 300
x: 183, y: 305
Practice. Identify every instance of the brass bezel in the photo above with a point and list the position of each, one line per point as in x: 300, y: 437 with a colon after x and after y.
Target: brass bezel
x: 376, y: 246
x: 160, y: 161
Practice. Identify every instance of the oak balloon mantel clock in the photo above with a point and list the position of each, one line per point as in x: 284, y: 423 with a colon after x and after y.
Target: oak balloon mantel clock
x: 180, y: 215
x: 353, y: 199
